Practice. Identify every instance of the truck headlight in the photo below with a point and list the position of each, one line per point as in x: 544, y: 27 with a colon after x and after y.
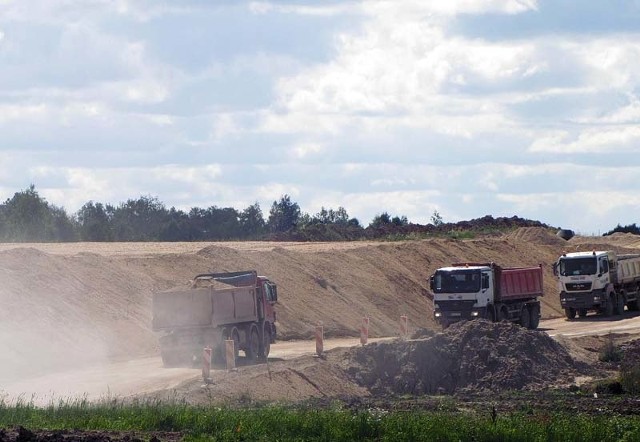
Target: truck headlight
x: 596, y: 298
x: 563, y: 299
x: 474, y: 314
x: 438, y: 314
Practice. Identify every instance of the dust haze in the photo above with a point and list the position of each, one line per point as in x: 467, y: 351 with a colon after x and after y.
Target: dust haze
x: 69, y: 307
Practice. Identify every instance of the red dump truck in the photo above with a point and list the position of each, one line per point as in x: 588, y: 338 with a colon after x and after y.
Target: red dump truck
x: 214, y: 308
x: 470, y: 290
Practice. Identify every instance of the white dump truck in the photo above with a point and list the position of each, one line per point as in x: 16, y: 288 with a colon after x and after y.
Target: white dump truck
x: 466, y: 291
x: 600, y: 281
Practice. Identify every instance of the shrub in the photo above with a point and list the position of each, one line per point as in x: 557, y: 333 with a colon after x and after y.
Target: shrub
x: 609, y: 352
x: 630, y: 378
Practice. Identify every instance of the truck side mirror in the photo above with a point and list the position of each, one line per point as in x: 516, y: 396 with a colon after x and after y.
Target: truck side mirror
x: 485, y: 281
x: 431, y: 282
x: 555, y: 268
x: 274, y: 290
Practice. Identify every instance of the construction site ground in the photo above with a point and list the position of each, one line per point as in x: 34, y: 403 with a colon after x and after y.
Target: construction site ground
x: 76, y: 322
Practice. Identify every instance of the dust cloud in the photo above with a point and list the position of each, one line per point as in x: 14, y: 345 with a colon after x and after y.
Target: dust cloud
x: 66, y: 307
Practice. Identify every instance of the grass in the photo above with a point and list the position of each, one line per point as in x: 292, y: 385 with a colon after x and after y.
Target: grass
x: 280, y: 423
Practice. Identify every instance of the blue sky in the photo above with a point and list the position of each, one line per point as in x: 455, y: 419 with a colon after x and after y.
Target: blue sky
x: 468, y: 108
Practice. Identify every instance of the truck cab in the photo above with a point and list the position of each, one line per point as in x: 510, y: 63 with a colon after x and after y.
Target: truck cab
x: 584, y: 279
x: 461, y: 292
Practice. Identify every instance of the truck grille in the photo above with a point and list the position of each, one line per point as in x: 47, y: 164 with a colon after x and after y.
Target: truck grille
x: 455, y: 305
x: 578, y: 286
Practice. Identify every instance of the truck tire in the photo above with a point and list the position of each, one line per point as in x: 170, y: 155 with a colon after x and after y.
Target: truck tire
x: 265, y: 346
x: 253, y: 345
x: 618, y: 307
x: 582, y: 312
x: 503, y: 314
x: 535, y: 317
x: 525, y: 317
x: 607, y: 310
x: 570, y: 313
x: 633, y: 306
x: 492, y: 314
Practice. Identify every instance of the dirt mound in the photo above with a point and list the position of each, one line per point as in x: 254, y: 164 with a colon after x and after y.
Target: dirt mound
x: 468, y: 356
x: 536, y: 235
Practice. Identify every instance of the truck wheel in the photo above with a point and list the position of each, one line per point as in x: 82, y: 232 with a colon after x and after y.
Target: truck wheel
x: 491, y: 314
x: 503, y: 314
x: 253, y: 346
x: 570, y: 313
x: 618, y: 308
x: 582, y: 312
x: 632, y: 306
x: 535, y: 317
x: 525, y: 317
x: 265, y: 348
x: 608, y: 308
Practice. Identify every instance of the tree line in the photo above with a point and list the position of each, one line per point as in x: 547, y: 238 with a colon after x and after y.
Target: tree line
x: 28, y: 217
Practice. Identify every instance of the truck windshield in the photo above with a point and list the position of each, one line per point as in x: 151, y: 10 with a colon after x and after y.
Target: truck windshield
x: 457, y: 281
x: 578, y: 266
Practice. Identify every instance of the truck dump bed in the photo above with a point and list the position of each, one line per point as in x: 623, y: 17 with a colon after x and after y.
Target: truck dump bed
x: 211, y: 301
x: 518, y: 282
x: 628, y: 269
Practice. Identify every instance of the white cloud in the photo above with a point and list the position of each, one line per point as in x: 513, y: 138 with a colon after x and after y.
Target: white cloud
x: 306, y: 150
x: 612, y: 139
x: 298, y: 9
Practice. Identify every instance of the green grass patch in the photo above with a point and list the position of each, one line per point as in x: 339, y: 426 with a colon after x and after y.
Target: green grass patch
x: 281, y: 423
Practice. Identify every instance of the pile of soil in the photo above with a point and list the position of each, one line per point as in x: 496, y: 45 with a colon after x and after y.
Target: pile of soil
x: 537, y: 235
x: 468, y: 356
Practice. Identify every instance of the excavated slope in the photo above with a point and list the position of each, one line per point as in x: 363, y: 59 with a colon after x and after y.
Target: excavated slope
x: 69, y: 304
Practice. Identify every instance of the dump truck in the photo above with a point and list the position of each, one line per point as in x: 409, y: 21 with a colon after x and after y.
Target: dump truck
x: 467, y: 291
x: 216, y: 307
x: 600, y: 281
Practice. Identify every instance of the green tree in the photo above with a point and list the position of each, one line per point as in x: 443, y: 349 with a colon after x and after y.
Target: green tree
x: 251, y: 221
x: 27, y: 217
x: 176, y: 227
x: 95, y: 222
x: 384, y: 219
x: 139, y: 220
x: 284, y: 215
x: 436, y: 219
x: 214, y: 223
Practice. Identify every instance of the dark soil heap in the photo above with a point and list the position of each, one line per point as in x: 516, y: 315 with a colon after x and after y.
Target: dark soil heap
x: 467, y: 356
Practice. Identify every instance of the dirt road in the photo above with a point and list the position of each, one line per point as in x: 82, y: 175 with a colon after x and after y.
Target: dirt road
x: 146, y: 375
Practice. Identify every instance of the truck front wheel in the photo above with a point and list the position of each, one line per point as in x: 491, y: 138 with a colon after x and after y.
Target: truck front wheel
x: 570, y: 312
x: 525, y: 317
x: 608, y: 308
x: 619, y: 306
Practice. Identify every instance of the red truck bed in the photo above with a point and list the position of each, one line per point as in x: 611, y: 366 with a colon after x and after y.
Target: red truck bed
x: 518, y: 282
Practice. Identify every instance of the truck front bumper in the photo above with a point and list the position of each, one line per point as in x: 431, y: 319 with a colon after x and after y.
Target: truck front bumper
x: 588, y: 300
x: 446, y: 313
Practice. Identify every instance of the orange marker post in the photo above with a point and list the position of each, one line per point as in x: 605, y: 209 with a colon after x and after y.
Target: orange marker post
x: 404, y: 327
x: 206, y: 363
x: 230, y: 354
x: 319, y: 339
x: 364, y: 331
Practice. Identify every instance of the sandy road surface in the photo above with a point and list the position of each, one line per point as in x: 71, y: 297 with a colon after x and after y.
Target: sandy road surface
x: 593, y: 325
x: 122, y: 379
x: 146, y: 375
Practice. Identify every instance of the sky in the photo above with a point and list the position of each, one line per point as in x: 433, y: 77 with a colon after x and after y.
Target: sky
x: 467, y: 108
